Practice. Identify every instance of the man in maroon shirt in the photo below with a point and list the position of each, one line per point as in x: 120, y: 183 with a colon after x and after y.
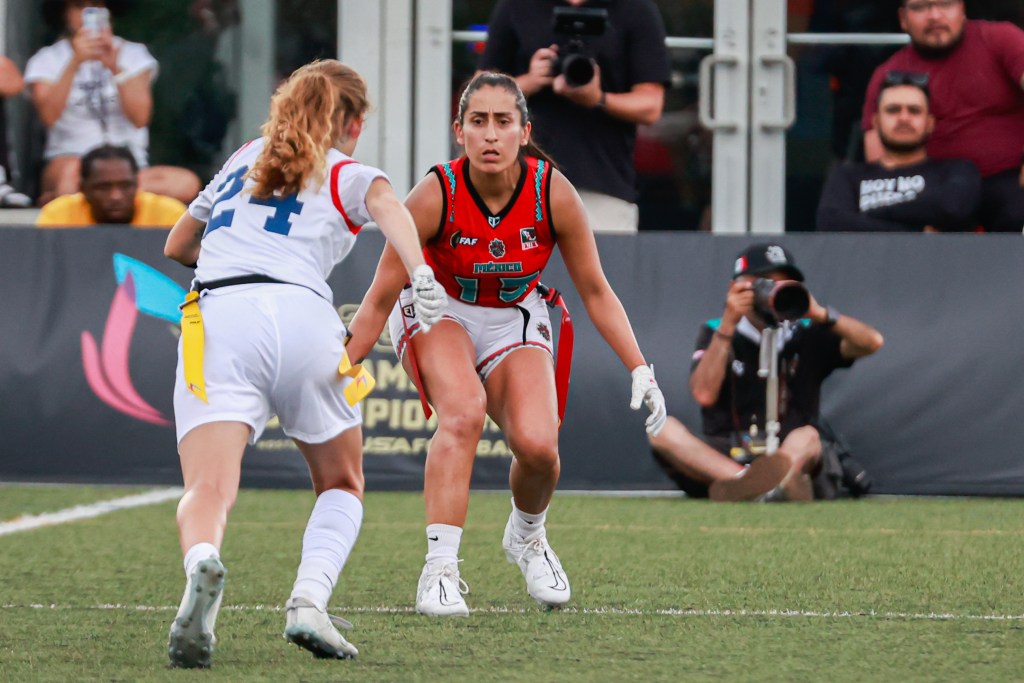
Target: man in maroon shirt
x: 976, y: 71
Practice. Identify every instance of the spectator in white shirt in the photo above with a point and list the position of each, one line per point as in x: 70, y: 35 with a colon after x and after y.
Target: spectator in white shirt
x: 92, y: 88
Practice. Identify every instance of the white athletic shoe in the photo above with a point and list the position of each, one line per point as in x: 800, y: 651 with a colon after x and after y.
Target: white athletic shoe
x: 191, y: 640
x: 440, y: 590
x: 313, y: 629
x: 546, y: 581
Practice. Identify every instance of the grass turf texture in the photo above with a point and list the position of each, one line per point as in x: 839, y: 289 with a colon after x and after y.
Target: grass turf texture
x: 663, y: 589
x: 17, y: 500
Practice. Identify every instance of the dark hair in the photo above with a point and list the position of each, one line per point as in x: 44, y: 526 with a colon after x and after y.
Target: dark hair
x: 915, y: 79
x: 509, y: 85
x: 107, y: 152
x: 53, y: 11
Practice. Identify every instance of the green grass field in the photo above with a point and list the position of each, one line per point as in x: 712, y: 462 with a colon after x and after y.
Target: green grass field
x: 663, y: 589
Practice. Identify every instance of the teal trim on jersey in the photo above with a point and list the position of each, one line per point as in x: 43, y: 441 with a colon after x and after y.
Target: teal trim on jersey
x: 447, y: 167
x: 537, y: 177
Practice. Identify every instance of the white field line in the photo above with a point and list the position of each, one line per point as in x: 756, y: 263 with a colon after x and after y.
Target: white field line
x: 103, y: 507
x: 611, y: 611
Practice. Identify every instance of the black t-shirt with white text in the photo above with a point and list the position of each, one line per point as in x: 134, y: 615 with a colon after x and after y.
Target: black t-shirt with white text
x: 942, y: 194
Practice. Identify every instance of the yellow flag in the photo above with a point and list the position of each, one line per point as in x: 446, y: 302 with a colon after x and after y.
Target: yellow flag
x: 362, y: 381
x: 192, y: 341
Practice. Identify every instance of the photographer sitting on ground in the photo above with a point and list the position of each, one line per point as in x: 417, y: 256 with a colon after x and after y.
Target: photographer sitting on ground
x: 724, y: 380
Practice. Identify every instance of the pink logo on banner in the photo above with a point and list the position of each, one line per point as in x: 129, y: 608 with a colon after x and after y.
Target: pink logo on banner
x: 106, y: 365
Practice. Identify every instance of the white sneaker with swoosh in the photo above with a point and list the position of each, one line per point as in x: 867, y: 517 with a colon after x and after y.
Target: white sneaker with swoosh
x: 546, y: 581
x: 440, y: 590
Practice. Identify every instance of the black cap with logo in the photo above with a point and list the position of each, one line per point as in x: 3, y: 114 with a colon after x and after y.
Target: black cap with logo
x: 763, y: 258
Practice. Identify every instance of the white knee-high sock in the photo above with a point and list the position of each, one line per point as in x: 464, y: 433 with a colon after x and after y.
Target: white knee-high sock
x: 330, y: 534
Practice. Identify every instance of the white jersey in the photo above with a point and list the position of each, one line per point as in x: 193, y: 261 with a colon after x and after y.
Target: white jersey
x: 93, y: 114
x: 298, y: 238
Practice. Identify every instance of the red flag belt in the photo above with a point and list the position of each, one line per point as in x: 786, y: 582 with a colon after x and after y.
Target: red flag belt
x: 563, y: 358
x: 416, y: 378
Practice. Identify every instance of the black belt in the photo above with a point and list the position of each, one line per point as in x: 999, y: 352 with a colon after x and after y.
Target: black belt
x: 239, y: 280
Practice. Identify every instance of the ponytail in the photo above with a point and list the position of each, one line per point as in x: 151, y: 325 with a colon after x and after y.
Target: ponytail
x: 308, y: 116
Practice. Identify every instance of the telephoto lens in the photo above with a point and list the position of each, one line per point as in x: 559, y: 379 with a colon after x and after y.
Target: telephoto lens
x: 779, y: 300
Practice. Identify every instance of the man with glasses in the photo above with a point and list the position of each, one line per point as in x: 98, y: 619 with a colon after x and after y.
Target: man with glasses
x: 976, y: 77
x: 904, y: 191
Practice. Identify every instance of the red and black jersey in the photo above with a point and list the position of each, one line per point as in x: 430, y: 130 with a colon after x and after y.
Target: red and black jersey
x: 492, y: 259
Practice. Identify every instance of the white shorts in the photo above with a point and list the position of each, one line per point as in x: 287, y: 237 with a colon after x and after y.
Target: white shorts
x: 270, y: 350
x: 495, y: 332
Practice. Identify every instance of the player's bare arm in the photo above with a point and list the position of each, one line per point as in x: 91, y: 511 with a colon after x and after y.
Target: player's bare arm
x: 184, y: 240
x: 424, y: 204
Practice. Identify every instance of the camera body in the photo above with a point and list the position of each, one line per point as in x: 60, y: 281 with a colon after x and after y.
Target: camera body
x: 574, y: 25
x: 776, y: 301
x: 95, y: 19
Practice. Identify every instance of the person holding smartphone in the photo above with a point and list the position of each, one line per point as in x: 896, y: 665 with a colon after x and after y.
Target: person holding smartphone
x: 92, y: 88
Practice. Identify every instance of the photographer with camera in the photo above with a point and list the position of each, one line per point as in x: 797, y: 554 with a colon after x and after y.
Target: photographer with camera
x: 591, y: 70
x: 734, y: 461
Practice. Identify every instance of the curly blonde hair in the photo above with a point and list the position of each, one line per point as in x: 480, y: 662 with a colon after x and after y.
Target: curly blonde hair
x: 308, y: 115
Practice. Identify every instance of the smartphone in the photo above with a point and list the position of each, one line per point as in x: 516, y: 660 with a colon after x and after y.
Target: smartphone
x: 95, y: 19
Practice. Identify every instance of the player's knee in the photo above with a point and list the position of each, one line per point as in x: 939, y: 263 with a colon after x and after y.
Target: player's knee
x: 213, y: 492
x: 349, y: 481
x: 534, y: 452
x: 463, y: 421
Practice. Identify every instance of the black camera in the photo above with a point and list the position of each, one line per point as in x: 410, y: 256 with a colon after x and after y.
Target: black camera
x: 779, y: 300
x: 576, y: 24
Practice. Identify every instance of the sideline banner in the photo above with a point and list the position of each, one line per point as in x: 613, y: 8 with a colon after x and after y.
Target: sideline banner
x: 88, y: 337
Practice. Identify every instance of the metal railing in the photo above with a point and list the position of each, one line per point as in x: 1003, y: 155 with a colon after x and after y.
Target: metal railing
x: 684, y: 43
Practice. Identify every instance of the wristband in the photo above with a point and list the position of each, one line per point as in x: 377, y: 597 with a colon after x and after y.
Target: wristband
x: 831, y: 316
x: 602, y: 103
x: 723, y: 335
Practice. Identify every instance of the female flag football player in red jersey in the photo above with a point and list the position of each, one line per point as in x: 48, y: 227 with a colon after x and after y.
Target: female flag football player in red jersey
x: 260, y: 335
x: 490, y: 221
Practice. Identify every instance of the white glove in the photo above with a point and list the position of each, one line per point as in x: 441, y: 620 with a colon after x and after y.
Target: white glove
x: 428, y: 296
x: 646, y: 391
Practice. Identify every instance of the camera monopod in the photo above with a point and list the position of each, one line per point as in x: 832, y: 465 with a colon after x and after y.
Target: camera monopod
x: 769, y: 368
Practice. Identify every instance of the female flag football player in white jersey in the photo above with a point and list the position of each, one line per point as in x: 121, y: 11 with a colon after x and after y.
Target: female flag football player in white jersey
x: 490, y: 221
x: 260, y: 336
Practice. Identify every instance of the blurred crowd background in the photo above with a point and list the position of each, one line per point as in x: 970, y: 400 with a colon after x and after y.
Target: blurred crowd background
x: 196, y: 119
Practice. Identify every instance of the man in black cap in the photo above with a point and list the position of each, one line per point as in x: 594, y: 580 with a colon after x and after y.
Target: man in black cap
x: 724, y: 380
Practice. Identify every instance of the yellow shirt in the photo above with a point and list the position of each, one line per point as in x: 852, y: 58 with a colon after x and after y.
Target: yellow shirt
x: 73, y: 211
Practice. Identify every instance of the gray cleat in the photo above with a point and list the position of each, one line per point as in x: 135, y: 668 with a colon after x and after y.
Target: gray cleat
x: 191, y: 640
x: 313, y: 629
